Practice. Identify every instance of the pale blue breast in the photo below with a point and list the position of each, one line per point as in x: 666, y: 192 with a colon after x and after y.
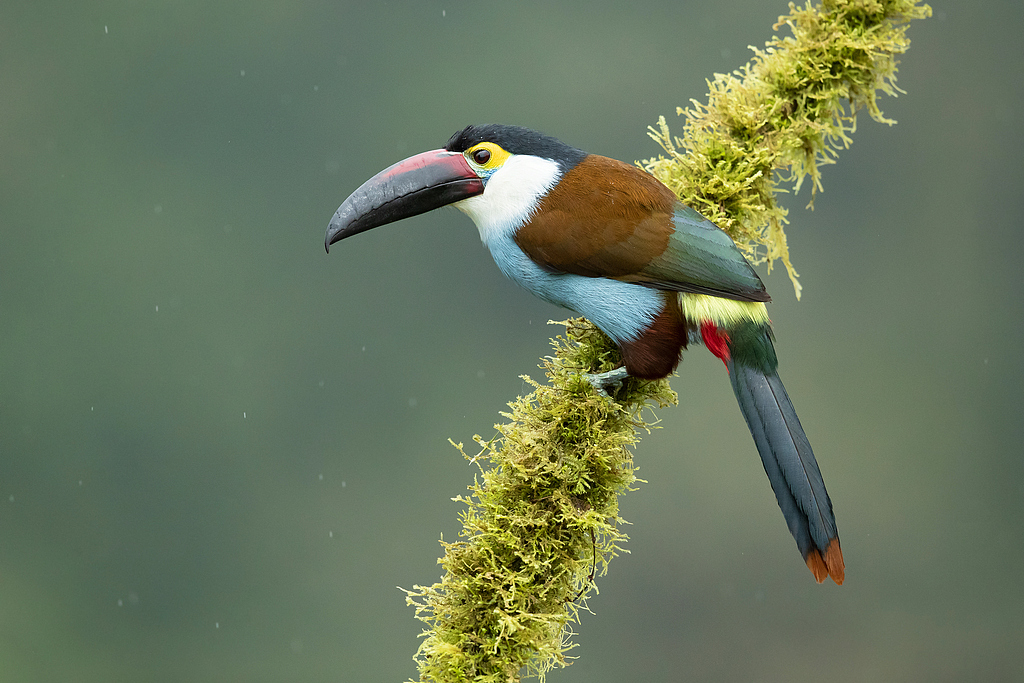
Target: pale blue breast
x: 622, y: 310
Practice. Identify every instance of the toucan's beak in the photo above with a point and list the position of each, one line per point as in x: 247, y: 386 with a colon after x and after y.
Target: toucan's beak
x: 419, y: 184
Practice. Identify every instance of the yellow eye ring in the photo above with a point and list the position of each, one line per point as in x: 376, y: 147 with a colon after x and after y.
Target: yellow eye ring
x: 487, y: 155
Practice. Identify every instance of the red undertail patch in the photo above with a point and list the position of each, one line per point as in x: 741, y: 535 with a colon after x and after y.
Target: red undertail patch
x: 716, y: 340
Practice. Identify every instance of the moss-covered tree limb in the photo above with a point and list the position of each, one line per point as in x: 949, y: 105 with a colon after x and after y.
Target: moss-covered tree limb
x: 540, y: 522
x: 542, y: 519
x: 785, y: 113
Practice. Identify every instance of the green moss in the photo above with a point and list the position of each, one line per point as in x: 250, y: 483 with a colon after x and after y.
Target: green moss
x: 541, y: 520
x: 784, y: 114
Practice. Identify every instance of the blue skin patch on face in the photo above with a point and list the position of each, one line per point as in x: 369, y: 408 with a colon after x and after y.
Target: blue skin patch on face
x: 622, y: 310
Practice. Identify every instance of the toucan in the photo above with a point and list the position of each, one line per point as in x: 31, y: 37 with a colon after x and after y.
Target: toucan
x: 609, y: 241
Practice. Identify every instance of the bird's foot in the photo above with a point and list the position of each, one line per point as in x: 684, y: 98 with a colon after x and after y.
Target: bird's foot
x: 602, y: 381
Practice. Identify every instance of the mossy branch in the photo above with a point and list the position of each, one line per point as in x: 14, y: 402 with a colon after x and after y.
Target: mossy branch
x: 785, y: 113
x: 540, y: 523
x: 543, y: 520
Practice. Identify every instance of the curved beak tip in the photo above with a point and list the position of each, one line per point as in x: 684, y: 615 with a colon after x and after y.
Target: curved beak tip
x: 334, y: 231
x: 416, y: 185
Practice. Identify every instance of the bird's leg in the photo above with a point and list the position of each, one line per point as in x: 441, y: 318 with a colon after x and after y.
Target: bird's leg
x: 603, y: 380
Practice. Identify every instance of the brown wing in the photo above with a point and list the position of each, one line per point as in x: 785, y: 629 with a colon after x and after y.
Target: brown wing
x: 604, y: 218
x: 608, y: 219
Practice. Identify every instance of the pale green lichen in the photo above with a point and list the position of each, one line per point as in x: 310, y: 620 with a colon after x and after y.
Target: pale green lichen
x: 785, y: 113
x: 543, y: 519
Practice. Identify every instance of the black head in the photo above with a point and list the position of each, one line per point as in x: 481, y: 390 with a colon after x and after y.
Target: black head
x: 517, y: 140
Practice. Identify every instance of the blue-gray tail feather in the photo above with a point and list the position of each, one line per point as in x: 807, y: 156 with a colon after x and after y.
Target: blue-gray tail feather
x: 787, y: 456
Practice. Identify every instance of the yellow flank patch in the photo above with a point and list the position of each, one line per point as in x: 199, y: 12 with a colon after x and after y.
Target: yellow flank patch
x: 722, y: 312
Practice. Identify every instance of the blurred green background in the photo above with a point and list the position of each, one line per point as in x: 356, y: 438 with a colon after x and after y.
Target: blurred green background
x: 221, y: 449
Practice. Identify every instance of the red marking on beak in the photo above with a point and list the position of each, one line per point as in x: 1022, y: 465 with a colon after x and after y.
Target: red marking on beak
x: 413, y: 186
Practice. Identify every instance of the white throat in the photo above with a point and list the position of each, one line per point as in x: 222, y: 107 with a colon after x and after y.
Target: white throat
x: 510, y: 196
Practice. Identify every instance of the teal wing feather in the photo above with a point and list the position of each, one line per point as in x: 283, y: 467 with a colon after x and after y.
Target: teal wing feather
x: 701, y: 259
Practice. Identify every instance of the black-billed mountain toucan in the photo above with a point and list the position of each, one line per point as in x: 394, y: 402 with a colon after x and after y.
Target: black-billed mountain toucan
x: 609, y: 241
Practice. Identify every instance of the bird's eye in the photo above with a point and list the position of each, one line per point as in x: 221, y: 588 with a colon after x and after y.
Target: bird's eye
x: 482, y: 156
